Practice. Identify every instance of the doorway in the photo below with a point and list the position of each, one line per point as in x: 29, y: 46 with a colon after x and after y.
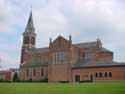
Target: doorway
x: 77, y: 78
x: 91, y: 78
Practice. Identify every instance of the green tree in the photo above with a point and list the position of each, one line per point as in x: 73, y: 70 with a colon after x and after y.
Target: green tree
x: 15, y: 77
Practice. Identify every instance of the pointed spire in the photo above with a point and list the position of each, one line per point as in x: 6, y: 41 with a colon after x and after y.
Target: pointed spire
x: 70, y: 38
x: 30, y: 25
x: 99, y: 43
x: 50, y: 40
x: 30, y: 21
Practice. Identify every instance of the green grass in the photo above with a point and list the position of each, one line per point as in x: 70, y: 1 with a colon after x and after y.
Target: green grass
x: 59, y: 88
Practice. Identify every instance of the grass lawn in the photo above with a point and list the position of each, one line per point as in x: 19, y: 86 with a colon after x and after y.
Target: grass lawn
x: 60, y: 88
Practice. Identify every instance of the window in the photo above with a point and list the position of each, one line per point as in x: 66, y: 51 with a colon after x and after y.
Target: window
x: 26, y: 40
x: 106, y: 74
x: 65, y: 56
x: 85, y: 75
x: 34, y: 72
x: 37, y: 57
x: 33, y: 40
x: 83, y: 56
x: 100, y: 74
x: 110, y: 74
x: 59, y: 57
x: 96, y: 74
x: 42, y: 72
x: 27, y: 72
x: 56, y: 55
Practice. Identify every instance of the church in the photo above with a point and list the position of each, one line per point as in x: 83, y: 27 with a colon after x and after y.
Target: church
x: 64, y: 61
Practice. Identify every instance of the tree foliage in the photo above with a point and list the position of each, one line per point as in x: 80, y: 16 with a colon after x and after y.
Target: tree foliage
x: 15, y: 77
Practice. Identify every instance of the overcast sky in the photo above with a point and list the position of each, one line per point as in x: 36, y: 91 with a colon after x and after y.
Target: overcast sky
x: 85, y: 20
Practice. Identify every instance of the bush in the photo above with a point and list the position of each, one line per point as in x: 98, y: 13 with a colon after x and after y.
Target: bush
x: 15, y: 77
x: 63, y: 81
x: 44, y: 80
x: 30, y: 80
x: 1, y: 80
x: 85, y: 81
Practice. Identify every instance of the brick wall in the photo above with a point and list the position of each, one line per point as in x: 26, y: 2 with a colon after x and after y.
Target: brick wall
x: 40, y: 73
x: 117, y: 73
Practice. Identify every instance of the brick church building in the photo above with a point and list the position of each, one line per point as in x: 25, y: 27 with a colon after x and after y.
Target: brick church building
x: 65, y: 61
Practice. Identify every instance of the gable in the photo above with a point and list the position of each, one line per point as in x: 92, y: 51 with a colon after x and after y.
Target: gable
x: 60, y: 43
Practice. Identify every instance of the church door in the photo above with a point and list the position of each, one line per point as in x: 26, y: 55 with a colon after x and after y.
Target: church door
x: 91, y: 77
x: 77, y: 78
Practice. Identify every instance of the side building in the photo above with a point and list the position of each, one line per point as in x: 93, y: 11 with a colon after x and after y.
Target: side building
x: 7, y: 75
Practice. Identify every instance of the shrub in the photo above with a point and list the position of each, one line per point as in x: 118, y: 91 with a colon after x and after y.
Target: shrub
x: 15, y: 77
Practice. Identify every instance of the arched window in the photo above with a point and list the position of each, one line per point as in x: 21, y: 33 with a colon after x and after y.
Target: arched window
x: 33, y: 40
x: 100, y: 74
x: 27, y: 72
x: 42, y: 72
x: 55, y: 58
x: 34, y: 72
x: 83, y: 56
x: 60, y: 57
x: 65, y: 57
x: 26, y: 40
x: 96, y: 74
x: 110, y: 74
x: 106, y: 75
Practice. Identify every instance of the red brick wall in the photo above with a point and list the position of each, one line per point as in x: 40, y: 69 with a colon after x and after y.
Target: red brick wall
x: 60, y: 72
x: 38, y: 76
x: 118, y: 73
x: 105, y: 56
x: 6, y: 75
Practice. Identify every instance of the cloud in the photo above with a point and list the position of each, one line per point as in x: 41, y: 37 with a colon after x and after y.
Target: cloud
x: 85, y: 20
x: 8, y: 61
x: 9, y: 54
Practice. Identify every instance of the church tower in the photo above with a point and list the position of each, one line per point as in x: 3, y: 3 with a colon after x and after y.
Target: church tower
x: 29, y: 37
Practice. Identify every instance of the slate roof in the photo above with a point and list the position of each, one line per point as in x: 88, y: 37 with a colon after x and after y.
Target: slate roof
x: 80, y: 45
x: 30, y: 25
x: 98, y: 64
x: 86, y: 45
x: 102, y: 49
x: 40, y: 50
x: 91, y: 45
x: 78, y: 65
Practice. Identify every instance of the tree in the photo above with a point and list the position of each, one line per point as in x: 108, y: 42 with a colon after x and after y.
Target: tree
x: 15, y: 77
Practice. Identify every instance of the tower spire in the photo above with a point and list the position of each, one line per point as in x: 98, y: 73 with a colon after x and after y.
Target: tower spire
x: 30, y: 25
x: 29, y: 37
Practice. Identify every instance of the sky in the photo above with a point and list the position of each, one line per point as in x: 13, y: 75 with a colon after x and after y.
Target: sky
x: 85, y: 20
